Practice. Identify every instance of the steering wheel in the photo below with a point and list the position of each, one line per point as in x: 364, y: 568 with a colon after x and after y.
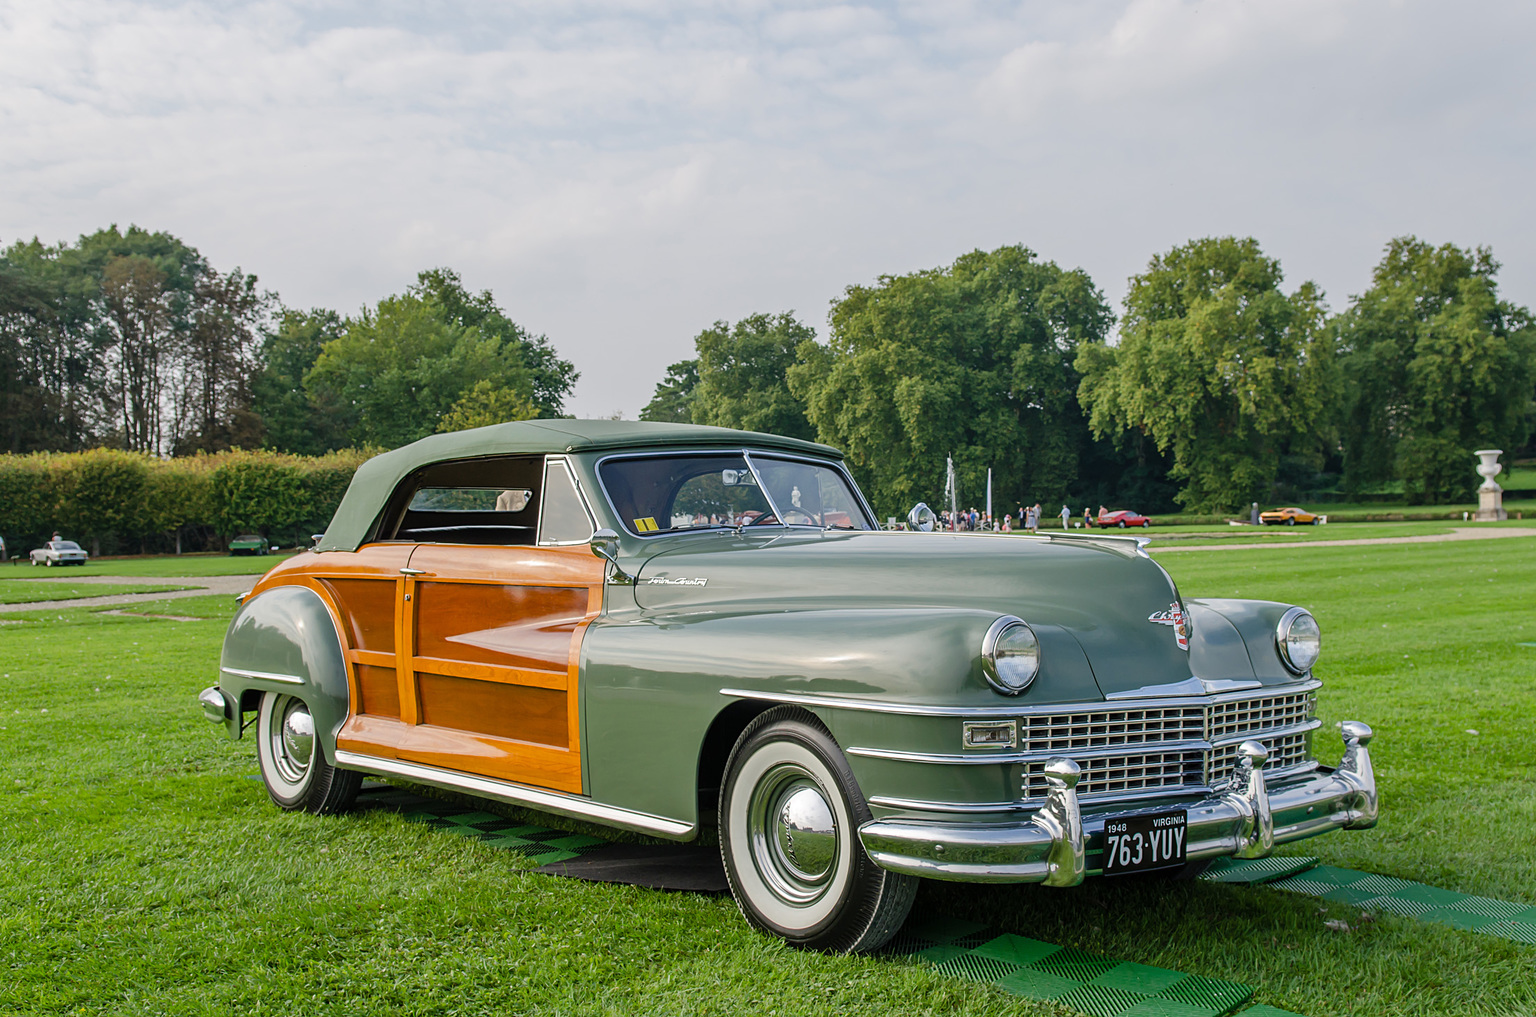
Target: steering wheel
x: 767, y: 517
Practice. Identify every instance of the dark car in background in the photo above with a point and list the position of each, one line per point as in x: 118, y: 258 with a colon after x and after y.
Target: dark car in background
x: 248, y: 543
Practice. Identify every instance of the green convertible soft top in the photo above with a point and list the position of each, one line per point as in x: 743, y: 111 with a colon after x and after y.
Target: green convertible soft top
x: 379, y: 476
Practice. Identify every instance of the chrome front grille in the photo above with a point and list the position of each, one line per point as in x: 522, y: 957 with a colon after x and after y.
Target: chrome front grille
x: 1208, y: 733
x: 1263, y: 713
x: 1098, y: 729
x: 1109, y: 775
x: 1284, y: 750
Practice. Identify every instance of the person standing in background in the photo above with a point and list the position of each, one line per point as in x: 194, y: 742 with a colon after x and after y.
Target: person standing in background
x: 1038, y: 514
x: 1066, y: 518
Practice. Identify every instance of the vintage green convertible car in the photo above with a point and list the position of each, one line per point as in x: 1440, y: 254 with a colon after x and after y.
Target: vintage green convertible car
x: 693, y: 631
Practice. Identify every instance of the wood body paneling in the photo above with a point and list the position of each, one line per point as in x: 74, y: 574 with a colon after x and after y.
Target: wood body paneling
x: 484, y: 648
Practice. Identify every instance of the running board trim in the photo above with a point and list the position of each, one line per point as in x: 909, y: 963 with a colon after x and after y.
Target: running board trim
x: 518, y: 794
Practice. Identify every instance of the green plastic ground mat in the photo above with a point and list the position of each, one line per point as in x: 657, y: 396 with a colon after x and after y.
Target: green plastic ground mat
x: 1255, y: 870
x: 1064, y: 975
x: 1266, y: 1011
x: 1370, y: 892
x: 538, y: 844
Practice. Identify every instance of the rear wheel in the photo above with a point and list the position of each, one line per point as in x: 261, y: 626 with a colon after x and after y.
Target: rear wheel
x: 1291, y: 521
x: 293, y: 765
x: 790, y: 811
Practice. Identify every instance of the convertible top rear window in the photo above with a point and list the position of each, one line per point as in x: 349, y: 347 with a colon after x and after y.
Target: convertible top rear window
x: 665, y: 494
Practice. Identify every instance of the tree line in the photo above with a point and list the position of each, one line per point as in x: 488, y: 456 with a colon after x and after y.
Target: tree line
x: 1221, y: 387
x: 1215, y: 386
x: 133, y: 340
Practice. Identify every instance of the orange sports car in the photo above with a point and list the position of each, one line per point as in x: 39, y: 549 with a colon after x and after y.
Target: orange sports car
x: 1287, y: 517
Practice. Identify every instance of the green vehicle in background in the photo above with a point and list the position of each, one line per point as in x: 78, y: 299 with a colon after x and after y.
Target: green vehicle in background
x: 249, y: 543
x: 699, y: 633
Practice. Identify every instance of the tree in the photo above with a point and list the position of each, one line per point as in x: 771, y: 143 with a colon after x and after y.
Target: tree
x: 218, y: 364
x: 485, y: 404
x: 550, y: 378
x: 397, y: 369
x: 1436, y: 367
x: 1219, y: 367
x: 975, y: 361
x: 673, y: 401
x: 742, y: 372
x: 128, y: 339
x: 295, y: 419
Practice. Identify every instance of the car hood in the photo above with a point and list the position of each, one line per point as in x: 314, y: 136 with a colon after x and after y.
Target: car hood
x: 1104, y: 592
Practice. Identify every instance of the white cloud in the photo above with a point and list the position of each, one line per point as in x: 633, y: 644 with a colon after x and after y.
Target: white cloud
x: 624, y: 173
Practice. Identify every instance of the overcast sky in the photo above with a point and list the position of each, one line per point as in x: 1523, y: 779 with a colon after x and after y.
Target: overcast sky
x: 622, y: 174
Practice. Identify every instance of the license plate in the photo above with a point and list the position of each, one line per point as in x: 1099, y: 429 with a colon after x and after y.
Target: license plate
x: 1143, y: 843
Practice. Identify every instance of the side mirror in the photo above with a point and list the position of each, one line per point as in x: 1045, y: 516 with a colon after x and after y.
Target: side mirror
x: 921, y: 518
x: 605, y: 544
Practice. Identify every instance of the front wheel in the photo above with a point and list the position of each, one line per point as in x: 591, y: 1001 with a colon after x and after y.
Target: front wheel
x: 790, y: 812
x: 293, y: 765
x: 1291, y: 521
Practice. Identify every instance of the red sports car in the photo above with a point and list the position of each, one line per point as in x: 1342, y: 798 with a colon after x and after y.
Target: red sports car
x: 1121, y: 518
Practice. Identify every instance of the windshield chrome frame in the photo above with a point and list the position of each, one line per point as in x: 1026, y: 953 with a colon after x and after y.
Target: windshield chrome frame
x: 746, y: 454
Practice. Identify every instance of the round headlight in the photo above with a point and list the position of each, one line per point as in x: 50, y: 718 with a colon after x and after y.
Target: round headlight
x: 1299, y: 639
x: 1010, y: 655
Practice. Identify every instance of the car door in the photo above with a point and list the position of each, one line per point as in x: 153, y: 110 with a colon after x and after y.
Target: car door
x: 490, y: 637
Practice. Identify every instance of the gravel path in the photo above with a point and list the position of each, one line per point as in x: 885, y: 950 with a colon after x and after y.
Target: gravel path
x: 1459, y: 533
x: 229, y: 585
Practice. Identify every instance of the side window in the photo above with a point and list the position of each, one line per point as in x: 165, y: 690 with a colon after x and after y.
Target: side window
x: 468, y: 501
x: 563, y: 519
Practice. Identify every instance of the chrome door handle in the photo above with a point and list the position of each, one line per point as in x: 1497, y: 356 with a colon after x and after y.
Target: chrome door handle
x: 413, y: 572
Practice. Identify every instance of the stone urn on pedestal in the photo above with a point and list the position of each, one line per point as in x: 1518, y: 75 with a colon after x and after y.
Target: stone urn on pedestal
x: 1490, y: 496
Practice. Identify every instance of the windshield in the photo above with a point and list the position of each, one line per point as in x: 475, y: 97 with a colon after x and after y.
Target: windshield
x: 667, y: 494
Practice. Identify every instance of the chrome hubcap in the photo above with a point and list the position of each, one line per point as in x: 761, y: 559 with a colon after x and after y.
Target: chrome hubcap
x: 807, y: 833
x: 794, y: 834
x: 292, y: 740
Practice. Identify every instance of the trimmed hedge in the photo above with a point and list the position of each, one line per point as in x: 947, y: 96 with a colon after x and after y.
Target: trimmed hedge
x: 130, y: 503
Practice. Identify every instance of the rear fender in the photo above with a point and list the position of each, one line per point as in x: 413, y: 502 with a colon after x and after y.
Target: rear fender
x: 285, y: 640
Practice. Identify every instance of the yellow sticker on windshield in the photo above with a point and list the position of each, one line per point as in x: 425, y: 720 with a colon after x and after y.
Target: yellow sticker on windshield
x: 646, y: 525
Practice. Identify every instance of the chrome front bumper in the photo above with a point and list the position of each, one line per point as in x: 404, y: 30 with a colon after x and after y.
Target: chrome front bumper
x: 1243, y: 819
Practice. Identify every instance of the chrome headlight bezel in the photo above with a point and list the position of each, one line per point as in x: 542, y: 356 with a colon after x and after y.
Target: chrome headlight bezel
x: 1005, y: 678
x: 1283, y: 632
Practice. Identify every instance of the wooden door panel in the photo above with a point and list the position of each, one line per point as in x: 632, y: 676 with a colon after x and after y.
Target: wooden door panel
x: 490, y: 623
x: 517, y: 712
x: 491, y: 642
x: 488, y: 756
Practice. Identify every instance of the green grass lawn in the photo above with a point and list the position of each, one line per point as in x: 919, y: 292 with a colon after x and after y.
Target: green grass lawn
x: 143, y: 872
x: 161, y: 565
x: 27, y: 593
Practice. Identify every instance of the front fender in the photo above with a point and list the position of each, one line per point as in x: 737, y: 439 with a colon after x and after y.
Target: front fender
x: 284, y: 640
x: 652, y: 685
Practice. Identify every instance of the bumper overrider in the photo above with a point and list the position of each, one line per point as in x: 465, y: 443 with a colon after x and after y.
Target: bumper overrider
x: 1242, y: 819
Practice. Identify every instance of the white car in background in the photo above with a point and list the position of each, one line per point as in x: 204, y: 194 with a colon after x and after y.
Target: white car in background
x: 60, y: 552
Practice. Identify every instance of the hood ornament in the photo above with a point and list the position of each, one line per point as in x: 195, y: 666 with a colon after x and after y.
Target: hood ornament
x: 1174, y: 616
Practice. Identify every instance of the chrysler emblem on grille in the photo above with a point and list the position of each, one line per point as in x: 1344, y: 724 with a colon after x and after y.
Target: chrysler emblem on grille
x: 1173, y: 616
